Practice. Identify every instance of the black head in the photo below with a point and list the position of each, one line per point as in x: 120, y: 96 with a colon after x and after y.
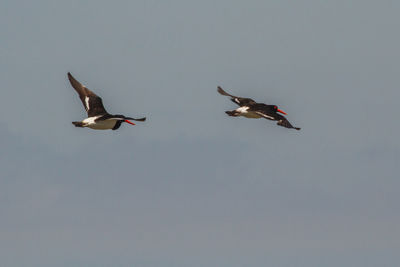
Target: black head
x: 276, y: 109
x: 125, y: 119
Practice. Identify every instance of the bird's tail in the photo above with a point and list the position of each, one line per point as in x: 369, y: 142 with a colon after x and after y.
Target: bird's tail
x: 78, y: 123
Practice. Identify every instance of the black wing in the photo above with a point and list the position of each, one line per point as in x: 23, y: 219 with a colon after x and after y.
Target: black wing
x: 264, y: 110
x: 282, y: 121
x: 92, y: 103
x: 117, y: 125
x: 241, y: 101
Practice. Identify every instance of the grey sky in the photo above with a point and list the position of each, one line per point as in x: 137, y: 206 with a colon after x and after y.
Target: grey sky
x: 192, y: 186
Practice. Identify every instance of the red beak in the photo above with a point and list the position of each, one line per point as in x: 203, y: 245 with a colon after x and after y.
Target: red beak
x: 130, y: 122
x: 281, y: 111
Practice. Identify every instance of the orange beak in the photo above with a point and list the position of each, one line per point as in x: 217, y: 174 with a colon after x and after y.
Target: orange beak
x: 281, y: 111
x: 130, y: 122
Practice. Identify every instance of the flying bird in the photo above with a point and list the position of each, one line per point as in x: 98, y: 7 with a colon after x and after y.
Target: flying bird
x: 98, y: 117
x: 251, y: 109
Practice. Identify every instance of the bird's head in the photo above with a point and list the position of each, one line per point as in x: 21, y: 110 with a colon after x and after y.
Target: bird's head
x: 126, y: 119
x: 276, y: 109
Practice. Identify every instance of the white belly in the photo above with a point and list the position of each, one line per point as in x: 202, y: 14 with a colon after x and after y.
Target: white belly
x: 248, y: 114
x: 99, y: 125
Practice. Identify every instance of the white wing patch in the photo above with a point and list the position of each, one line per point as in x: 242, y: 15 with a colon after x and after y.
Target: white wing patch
x: 87, y: 103
x: 90, y: 120
x: 265, y: 116
x: 242, y: 110
x: 99, y: 125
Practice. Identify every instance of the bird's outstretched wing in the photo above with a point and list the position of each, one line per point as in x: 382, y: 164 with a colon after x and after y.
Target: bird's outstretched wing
x: 241, y: 101
x: 266, y: 111
x: 282, y: 121
x: 262, y: 114
x: 92, y: 103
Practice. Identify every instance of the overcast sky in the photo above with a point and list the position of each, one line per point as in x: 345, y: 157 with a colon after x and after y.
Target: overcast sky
x: 192, y: 186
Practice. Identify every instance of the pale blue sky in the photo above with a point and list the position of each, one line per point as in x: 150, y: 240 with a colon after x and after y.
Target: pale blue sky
x: 192, y: 186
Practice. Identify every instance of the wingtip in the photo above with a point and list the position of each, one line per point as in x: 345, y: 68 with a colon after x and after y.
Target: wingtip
x: 221, y: 91
x: 70, y: 77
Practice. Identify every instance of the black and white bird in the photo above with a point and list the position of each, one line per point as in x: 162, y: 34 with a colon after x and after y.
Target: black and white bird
x: 251, y: 109
x: 98, y: 117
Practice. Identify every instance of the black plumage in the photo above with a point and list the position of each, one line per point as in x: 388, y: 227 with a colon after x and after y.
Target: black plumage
x: 98, y: 117
x: 251, y: 109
